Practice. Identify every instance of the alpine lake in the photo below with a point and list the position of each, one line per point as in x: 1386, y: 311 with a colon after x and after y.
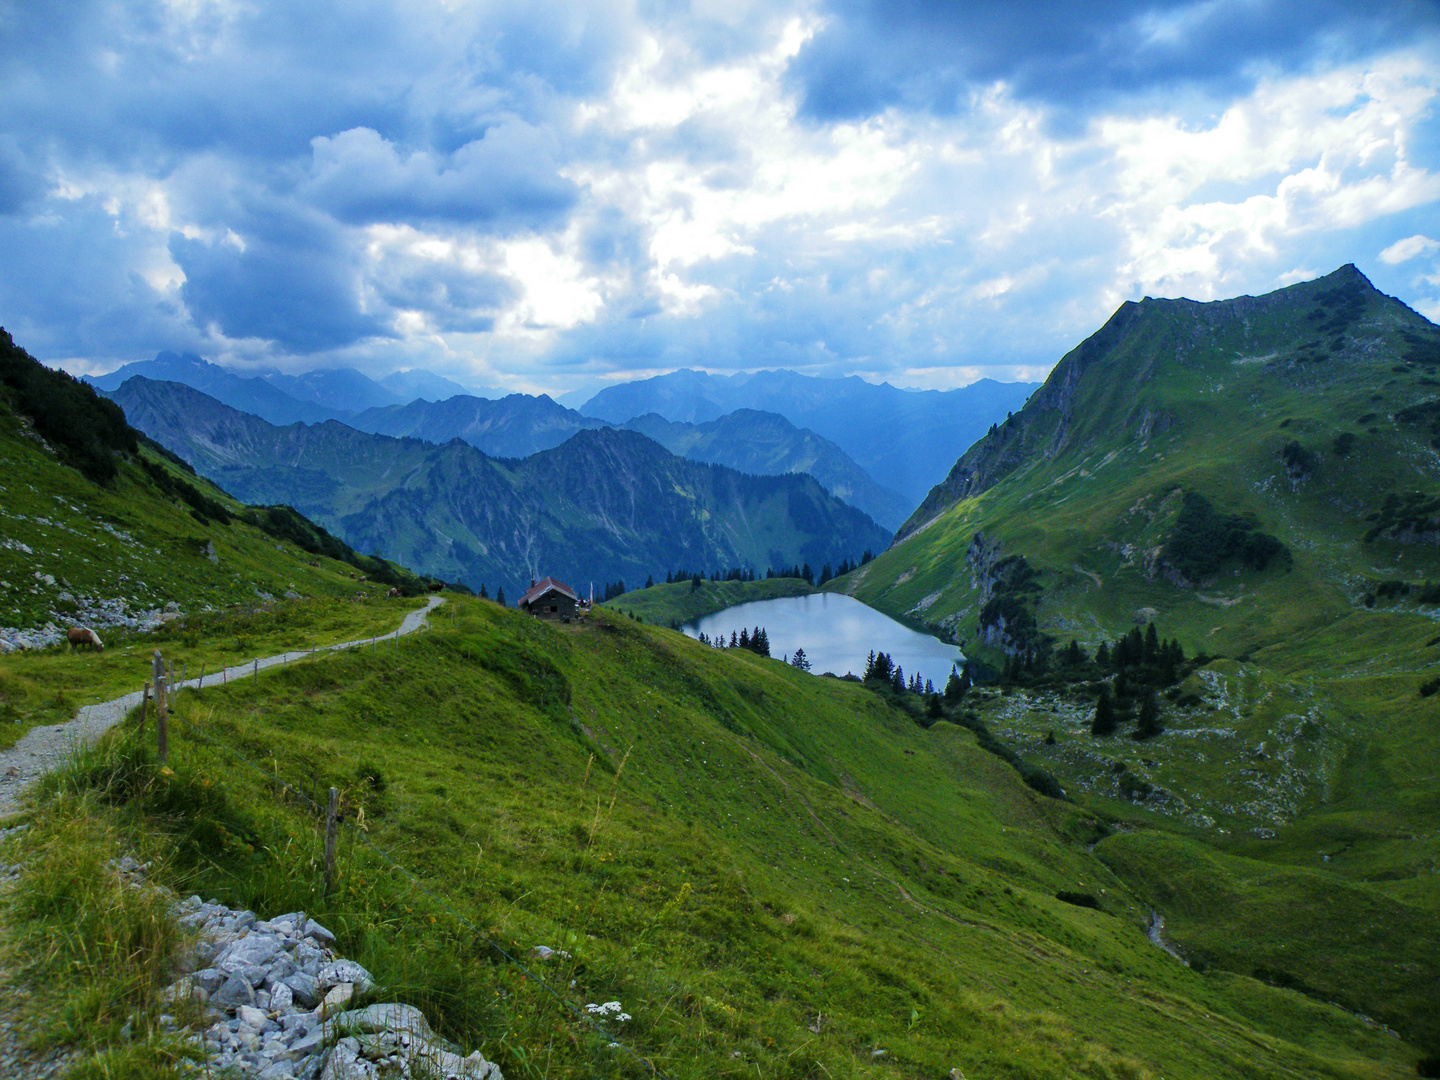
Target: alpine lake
x: 837, y: 633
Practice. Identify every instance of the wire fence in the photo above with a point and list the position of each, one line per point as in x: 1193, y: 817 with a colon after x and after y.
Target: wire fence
x: 575, y: 1012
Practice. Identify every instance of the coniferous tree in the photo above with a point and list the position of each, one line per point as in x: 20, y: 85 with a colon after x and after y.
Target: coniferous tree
x: 807, y: 574
x: 1152, y: 644
x: 1102, y: 655
x: 897, y: 680
x: 954, y: 688
x: 870, y: 664
x: 695, y: 583
x: 929, y: 688
x: 500, y: 596
x: 744, y: 638
x: 934, y: 707
x: 734, y: 641
x: 1149, y: 725
x: 825, y: 574
x: 1104, y: 721
x: 760, y: 641
x: 483, y: 594
x: 649, y: 581
x: 799, y: 660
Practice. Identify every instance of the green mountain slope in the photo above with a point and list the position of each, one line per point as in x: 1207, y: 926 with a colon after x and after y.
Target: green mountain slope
x: 606, y: 504
x: 1259, y: 477
x: 768, y: 444
x: 775, y: 874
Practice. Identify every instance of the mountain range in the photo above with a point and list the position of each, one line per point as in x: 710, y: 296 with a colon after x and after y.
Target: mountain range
x: 322, y: 394
x: 878, y: 447
x: 604, y: 504
x: 906, y: 440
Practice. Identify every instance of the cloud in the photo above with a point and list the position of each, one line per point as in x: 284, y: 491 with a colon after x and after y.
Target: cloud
x: 1409, y: 248
x: 872, y: 55
x: 507, y: 174
x: 541, y: 192
x: 292, y: 279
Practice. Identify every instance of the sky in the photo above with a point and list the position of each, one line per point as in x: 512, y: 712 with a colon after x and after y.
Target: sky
x: 547, y: 197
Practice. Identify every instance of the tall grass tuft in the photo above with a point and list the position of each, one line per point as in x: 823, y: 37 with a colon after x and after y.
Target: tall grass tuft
x: 94, y: 950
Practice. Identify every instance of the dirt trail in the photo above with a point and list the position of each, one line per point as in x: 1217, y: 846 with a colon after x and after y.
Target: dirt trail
x: 43, y: 748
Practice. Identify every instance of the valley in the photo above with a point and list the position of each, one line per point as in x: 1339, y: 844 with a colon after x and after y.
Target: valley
x: 783, y: 873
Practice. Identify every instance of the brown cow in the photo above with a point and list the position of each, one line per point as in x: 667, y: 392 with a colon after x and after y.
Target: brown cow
x: 83, y: 635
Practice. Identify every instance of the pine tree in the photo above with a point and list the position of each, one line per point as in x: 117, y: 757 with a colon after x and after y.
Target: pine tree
x: 954, y: 688
x: 825, y: 574
x: 760, y: 641
x: 1152, y: 644
x: 734, y: 641
x: 897, y: 680
x: 649, y: 581
x: 1102, y: 654
x: 744, y: 638
x: 799, y: 660
x: 870, y: 664
x: 807, y: 574
x: 1149, y: 725
x: 695, y: 583
x: 929, y: 688
x: 1104, y: 721
x: 500, y: 596
x: 483, y: 594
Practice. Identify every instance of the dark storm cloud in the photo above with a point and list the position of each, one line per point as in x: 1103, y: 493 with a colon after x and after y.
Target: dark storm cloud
x: 295, y: 282
x: 20, y: 183
x: 929, y: 54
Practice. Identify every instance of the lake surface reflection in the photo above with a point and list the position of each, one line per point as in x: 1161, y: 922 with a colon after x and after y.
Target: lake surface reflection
x: 837, y: 633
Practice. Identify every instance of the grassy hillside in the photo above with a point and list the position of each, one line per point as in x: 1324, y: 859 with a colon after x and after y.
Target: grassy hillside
x: 1258, y: 477
x: 776, y: 874
x: 672, y: 605
x: 109, y: 531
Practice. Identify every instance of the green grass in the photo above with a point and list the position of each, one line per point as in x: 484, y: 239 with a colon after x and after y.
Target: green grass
x: 738, y: 852
x: 49, y: 686
x: 676, y: 604
x: 1286, y: 821
x: 130, y: 542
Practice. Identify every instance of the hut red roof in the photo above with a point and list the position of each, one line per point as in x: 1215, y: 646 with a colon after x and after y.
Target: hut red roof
x: 544, y: 585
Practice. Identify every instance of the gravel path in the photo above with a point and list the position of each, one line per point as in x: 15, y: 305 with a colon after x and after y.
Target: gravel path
x: 43, y: 748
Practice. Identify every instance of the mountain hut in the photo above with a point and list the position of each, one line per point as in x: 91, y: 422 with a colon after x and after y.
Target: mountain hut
x: 550, y: 599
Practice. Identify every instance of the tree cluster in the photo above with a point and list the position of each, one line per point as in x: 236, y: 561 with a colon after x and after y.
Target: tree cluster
x: 880, y: 668
x: 86, y: 430
x: 1143, y: 665
x: 757, y: 642
x: 614, y: 589
x: 1203, y: 539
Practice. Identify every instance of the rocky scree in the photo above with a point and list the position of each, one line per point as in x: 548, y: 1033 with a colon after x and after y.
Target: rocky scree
x: 276, y: 995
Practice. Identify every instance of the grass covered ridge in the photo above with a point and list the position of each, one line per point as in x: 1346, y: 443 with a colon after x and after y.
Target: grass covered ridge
x: 776, y: 874
x: 675, y: 604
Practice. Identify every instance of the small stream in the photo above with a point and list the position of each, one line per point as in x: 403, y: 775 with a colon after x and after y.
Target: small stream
x: 1156, y: 932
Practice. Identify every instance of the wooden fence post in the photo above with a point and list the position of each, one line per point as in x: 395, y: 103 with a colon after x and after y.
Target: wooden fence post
x: 202, y: 677
x: 331, y: 827
x: 144, y: 707
x: 162, y: 710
